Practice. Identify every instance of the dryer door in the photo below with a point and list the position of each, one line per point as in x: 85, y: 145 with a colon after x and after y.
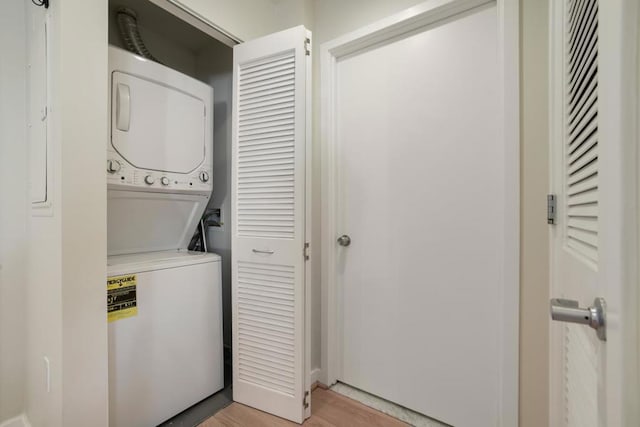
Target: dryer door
x: 140, y: 221
x: 156, y: 126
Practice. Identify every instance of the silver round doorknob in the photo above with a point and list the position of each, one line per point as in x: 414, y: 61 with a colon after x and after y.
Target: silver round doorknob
x: 344, y: 240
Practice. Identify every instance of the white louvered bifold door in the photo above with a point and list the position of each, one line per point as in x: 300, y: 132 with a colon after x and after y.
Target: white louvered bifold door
x: 576, y: 143
x: 270, y: 125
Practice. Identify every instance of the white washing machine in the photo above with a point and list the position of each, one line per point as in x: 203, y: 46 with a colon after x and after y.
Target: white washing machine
x: 164, y: 302
x: 165, y: 351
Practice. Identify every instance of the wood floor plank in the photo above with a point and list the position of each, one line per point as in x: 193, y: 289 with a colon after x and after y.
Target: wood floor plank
x: 211, y: 422
x: 328, y: 409
x: 237, y: 415
x: 340, y: 411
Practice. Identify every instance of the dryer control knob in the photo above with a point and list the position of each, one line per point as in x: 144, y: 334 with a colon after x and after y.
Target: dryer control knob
x: 164, y: 180
x: 149, y: 179
x: 204, y: 176
x: 113, y: 166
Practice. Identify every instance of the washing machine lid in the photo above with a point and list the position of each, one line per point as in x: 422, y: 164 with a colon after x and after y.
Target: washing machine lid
x: 158, y: 125
x: 153, y: 261
x: 146, y: 222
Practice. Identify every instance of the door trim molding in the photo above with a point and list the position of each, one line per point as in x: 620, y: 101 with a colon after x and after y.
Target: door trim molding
x: 395, y: 27
x: 618, y: 62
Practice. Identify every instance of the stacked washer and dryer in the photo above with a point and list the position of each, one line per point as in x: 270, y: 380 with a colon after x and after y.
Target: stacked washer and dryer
x: 165, y: 309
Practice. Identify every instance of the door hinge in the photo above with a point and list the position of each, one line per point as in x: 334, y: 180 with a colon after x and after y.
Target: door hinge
x: 305, y: 251
x: 551, y: 208
x: 305, y: 400
x: 307, y: 46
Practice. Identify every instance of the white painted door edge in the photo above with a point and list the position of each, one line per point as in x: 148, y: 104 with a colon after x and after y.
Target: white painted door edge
x: 404, y: 23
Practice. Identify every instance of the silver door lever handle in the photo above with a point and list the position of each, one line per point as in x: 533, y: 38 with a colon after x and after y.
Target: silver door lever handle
x: 566, y: 310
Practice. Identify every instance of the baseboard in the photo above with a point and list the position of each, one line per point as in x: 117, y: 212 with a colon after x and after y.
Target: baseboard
x: 19, y: 421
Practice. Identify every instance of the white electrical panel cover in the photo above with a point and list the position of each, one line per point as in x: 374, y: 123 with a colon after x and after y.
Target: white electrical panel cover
x: 38, y: 107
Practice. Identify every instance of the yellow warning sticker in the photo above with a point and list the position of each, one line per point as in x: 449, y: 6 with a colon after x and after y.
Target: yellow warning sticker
x: 121, y: 297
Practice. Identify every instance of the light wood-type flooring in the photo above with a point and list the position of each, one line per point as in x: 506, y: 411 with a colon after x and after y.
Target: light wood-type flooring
x: 328, y: 409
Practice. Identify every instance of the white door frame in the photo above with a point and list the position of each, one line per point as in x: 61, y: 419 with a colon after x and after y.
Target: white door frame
x: 618, y: 97
x: 619, y: 112
x: 397, y: 26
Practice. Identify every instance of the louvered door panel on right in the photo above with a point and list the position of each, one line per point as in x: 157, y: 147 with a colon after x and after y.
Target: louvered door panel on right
x: 594, y: 76
x: 268, y: 214
x: 576, y: 180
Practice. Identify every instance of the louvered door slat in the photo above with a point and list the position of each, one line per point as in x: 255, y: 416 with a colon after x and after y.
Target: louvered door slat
x: 588, y: 157
x: 581, y: 144
x: 584, y: 57
x: 272, y: 183
x: 268, y: 223
x: 272, y: 74
x: 260, y: 106
x: 592, y: 95
x: 580, y: 41
x: 585, y: 143
x: 589, y: 184
x: 266, y: 117
x: 587, y: 171
x: 586, y: 211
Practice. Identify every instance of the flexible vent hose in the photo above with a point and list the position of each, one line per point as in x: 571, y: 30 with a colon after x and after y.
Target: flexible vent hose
x: 128, y: 25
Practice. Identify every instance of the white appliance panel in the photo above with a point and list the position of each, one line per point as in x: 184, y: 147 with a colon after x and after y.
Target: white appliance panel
x: 146, y: 221
x: 161, y: 136
x: 170, y: 355
x: 155, y: 126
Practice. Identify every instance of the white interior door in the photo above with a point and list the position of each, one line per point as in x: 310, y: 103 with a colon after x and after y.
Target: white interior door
x: 593, y: 240
x: 421, y: 178
x: 270, y: 125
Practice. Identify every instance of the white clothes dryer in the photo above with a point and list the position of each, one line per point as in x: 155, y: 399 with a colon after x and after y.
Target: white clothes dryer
x: 159, y: 155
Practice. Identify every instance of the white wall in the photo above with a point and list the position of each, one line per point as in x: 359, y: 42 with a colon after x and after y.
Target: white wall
x: 66, y: 304
x: 44, y: 306
x: 13, y: 208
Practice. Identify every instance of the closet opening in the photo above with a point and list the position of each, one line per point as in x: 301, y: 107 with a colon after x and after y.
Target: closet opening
x: 159, y: 223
